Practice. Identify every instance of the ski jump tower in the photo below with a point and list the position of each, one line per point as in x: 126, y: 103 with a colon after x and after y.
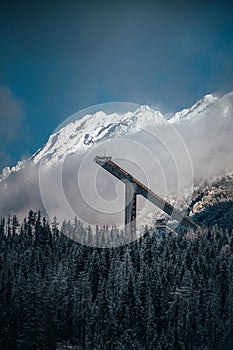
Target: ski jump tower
x: 133, y: 187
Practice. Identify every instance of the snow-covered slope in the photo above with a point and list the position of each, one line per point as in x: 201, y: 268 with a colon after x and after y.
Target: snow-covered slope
x: 195, y: 111
x: 81, y: 134
x: 209, y: 103
x: 212, y: 203
x: 78, y: 136
x: 7, y: 170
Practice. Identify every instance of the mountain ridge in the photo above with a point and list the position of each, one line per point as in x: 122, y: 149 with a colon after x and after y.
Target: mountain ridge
x: 78, y: 136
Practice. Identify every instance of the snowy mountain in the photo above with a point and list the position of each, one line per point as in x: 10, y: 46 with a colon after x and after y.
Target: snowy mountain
x: 195, y: 111
x: 81, y: 134
x: 209, y: 103
x: 78, y: 136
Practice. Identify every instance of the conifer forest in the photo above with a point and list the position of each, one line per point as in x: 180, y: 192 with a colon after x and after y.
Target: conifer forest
x: 157, y: 293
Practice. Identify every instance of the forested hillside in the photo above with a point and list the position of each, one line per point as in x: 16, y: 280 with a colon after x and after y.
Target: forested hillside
x: 168, y: 293
x: 212, y: 203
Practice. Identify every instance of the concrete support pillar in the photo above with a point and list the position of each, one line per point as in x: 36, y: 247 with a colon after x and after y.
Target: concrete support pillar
x: 130, y: 208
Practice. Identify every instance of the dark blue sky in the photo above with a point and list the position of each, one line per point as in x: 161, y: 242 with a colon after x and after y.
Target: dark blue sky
x: 59, y: 57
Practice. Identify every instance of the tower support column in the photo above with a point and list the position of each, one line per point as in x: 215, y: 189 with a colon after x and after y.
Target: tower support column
x: 130, y: 208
